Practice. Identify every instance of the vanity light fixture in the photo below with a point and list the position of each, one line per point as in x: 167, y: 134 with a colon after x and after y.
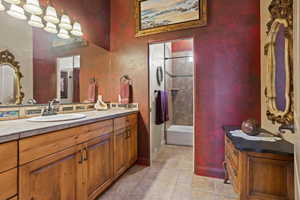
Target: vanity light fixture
x: 51, y: 28
x: 51, y: 15
x: 33, y: 7
x: 63, y: 34
x: 36, y: 21
x: 17, y: 12
x: 13, y: 1
x: 65, y: 22
x: 77, y: 31
x: 2, y: 7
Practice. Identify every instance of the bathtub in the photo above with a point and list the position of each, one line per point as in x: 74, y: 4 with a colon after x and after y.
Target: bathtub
x: 180, y: 135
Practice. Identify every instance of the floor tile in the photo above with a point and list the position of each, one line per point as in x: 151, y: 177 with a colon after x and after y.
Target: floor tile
x: 170, y: 177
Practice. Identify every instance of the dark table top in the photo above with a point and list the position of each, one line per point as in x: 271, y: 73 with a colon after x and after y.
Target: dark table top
x: 282, y: 147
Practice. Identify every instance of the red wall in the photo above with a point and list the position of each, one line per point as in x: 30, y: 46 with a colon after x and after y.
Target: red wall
x: 182, y: 45
x: 44, y: 67
x: 227, y: 73
x: 94, y: 16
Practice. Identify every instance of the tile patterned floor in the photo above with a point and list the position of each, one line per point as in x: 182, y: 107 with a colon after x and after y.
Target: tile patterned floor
x: 169, y: 178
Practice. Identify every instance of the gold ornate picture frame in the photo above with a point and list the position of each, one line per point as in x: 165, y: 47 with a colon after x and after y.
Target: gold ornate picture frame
x: 7, y: 58
x: 279, y: 53
x: 158, y: 16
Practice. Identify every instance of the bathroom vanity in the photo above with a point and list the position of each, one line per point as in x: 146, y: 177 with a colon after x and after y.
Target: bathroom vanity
x: 66, y: 160
x: 258, y: 169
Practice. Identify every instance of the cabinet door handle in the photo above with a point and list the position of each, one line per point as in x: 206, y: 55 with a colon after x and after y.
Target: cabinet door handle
x: 81, y: 157
x: 85, y: 154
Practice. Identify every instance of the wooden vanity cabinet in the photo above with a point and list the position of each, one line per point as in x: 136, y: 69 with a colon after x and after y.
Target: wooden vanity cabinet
x: 120, y: 151
x: 125, y: 143
x: 99, y: 164
x: 57, y: 176
x: 8, y: 170
x: 259, y: 176
x: 76, y: 163
x: 132, y: 139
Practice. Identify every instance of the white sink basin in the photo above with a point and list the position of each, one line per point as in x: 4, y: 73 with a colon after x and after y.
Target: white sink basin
x: 57, y: 118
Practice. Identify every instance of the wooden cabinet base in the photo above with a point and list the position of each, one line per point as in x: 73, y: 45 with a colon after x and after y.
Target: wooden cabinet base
x: 54, y: 177
x: 259, y: 176
x: 72, y: 164
x: 99, y: 164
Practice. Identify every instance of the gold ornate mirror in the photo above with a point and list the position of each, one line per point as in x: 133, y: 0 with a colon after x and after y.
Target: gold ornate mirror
x: 278, y: 50
x: 10, y: 79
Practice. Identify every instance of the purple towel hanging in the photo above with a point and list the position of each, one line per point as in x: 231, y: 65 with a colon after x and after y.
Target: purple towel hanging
x: 162, y: 114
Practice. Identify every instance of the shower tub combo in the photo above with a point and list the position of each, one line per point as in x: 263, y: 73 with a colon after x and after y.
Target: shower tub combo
x: 180, y: 135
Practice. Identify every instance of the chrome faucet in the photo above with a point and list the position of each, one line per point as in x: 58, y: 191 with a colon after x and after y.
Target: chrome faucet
x: 50, y: 109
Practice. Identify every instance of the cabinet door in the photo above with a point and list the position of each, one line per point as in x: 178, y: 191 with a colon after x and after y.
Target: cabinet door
x: 132, y: 144
x: 120, y: 151
x: 8, y: 184
x: 99, y: 163
x: 58, y: 176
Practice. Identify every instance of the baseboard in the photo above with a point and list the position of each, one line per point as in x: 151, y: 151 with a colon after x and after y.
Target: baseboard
x: 143, y: 161
x: 210, y: 172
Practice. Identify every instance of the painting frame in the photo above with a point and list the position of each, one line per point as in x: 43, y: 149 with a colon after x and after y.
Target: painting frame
x: 202, y: 21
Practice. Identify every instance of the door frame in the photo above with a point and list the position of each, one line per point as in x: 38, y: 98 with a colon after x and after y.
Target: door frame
x: 149, y: 91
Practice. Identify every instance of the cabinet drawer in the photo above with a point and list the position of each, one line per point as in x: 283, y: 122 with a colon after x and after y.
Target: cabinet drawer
x: 94, y: 130
x: 106, y: 126
x: 39, y: 146
x: 8, y: 184
x: 8, y: 156
x: 120, y: 123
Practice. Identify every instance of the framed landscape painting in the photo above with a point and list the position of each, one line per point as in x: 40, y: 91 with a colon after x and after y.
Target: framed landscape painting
x: 157, y: 16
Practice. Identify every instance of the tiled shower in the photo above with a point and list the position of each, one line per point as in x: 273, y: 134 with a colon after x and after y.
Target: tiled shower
x: 179, y: 82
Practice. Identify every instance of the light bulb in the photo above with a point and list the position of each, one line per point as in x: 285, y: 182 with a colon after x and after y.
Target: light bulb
x: 50, y: 27
x: 51, y: 15
x: 65, y: 22
x: 2, y: 7
x: 33, y: 7
x: 17, y: 12
x: 36, y: 21
x: 77, y: 29
x: 63, y: 34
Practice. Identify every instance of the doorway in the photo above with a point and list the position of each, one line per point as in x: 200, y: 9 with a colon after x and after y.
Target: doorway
x: 68, y: 79
x: 171, y: 83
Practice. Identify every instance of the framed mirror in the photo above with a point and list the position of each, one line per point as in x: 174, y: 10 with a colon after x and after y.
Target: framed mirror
x: 278, y: 50
x: 10, y: 79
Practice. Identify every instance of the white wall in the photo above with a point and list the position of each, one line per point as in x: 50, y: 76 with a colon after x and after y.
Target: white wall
x: 16, y: 36
x: 156, y: 58
x: 294, y: 138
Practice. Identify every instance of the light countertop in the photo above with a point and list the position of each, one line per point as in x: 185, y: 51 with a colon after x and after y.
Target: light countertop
x: 22, y: 128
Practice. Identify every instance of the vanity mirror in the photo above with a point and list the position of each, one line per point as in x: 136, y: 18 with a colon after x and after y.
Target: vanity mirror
x: 48, y: 68
x: 10, y: 79
x: 278, y: 50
